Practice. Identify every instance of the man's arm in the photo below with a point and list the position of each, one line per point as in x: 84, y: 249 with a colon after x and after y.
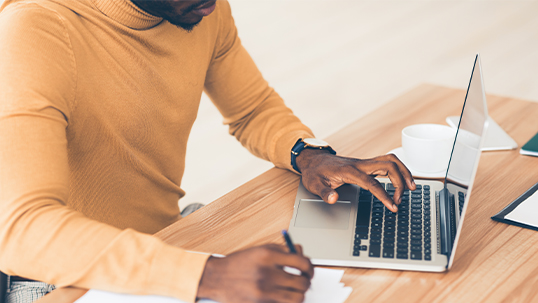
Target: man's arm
x: 259, y: 119
x: 255, y: 113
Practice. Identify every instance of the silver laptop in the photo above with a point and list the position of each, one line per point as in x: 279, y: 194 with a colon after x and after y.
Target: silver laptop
x: 359, y: 231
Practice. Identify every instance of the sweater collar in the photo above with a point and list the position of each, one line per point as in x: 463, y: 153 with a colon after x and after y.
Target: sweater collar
x: 127, y: 13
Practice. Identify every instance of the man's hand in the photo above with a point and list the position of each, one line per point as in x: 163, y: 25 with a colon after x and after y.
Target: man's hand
x: 323, y: 173
x: 256, y: 275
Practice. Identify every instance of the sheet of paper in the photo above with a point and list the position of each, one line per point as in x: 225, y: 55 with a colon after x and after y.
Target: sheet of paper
x: 526, y: 212
x: 326, y: 288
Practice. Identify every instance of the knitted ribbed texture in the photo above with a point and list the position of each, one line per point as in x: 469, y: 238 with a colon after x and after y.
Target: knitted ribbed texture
x: 126, y: 13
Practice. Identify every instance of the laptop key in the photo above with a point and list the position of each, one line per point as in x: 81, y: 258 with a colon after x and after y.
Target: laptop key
x: 363, y: 247
x: 361, y: 229
x: 402, y: 239
x: 375, y: 235
x: 389, y: 228
x: 427, y: 257
x: 363, y: 236
x: 401, y: 250
x: 375, y: 251
x: 416, y: 255
x: 402, y: 256
x: 388, y: 253
x: 388, y: 245
x: 417, y: 248
x: 356, y: 253
x: 416, y: 242
x: 375, y: 241
x: 388, y: 240
x: 402, y: 245
x: 357, y: 241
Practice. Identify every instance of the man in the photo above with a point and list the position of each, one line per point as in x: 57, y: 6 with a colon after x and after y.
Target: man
x: 97, y: 101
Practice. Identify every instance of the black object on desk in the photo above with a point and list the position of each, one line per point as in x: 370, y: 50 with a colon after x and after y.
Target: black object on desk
x: 508, y: 209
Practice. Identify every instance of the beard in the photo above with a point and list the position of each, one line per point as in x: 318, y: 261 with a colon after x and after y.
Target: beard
x: 163, y: 9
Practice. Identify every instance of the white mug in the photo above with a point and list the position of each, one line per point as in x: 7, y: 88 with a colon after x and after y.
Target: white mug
x: 427, y: 147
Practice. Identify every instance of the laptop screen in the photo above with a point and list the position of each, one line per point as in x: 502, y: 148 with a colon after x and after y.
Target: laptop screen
x: 466, y: 149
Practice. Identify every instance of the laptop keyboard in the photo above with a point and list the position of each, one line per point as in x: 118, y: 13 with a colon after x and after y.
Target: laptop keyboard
x: 402, y: 235
x: 461, y: 200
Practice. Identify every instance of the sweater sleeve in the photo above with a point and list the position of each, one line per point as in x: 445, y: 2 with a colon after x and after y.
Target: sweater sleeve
x: 255, y: 113
x: 41, y: 237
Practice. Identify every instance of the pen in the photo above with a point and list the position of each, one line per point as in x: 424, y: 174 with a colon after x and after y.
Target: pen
x: 288, y: 241
x: 291, y: 247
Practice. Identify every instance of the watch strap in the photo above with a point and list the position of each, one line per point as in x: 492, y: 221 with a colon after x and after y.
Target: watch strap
x: 299, y: 146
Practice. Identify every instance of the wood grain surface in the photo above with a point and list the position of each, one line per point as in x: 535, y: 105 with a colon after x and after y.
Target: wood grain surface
x: 494, y: 262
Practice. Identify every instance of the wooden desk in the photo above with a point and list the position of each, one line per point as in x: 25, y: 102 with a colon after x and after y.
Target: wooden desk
x: 494, y: 261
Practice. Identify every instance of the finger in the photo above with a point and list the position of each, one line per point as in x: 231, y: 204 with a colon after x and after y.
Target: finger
x: 371, y: 184
x: 299, y: 249
x: 291, y: 281
x: 406, y: 173
x: 295, y: 261
x: 391, y: 170
x: 282, y: 258
x: 318, y: 187
x: 285, y: 295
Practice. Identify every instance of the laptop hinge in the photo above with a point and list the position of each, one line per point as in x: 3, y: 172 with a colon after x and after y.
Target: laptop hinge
x: 446, y: 221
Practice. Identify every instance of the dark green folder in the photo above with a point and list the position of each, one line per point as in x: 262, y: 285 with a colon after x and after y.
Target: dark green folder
x: 530, y: 148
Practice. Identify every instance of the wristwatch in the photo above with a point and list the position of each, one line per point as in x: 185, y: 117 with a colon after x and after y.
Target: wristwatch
x: 311, y: 143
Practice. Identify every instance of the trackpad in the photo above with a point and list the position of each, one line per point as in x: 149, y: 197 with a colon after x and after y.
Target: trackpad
x: 318, y: 214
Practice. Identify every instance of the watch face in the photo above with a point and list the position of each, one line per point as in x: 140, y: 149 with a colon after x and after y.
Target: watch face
x: 315, y: 142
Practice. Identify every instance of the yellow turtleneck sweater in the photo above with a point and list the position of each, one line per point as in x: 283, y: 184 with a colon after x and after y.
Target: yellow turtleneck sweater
x: 97, y: 99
